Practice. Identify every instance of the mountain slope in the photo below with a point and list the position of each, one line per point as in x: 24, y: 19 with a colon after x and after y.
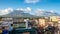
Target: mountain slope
x: 18, y: 13
x: 48, y: 13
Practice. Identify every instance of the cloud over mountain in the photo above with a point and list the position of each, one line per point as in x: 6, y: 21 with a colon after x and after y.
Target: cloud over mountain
x: 9, y: 10
x: 27, y: 12
x: 6, y: 11
x: 41, y: 12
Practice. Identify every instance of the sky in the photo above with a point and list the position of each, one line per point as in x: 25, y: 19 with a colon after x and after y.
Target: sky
x: 29, y: 5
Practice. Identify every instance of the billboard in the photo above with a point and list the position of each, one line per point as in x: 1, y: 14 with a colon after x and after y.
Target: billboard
x: 54, y: 18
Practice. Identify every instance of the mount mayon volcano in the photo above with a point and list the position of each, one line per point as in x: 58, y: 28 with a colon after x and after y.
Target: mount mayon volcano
x: 19, y: 13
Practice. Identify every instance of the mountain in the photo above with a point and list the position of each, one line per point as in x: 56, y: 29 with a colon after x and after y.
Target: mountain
x: 18, y: 13
x: 48, y: 13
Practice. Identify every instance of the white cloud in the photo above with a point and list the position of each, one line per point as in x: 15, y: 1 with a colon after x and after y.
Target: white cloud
x: 26, y: 10
x: 52, y: 11
x: 32, y: 1
x: 9, y: 10
x: 39, y: 12
x: 5, y: 11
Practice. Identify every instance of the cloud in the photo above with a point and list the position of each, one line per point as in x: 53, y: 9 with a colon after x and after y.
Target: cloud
x: 32, y: 1
x: 39, y: 12
x: 26, y: 10
x: 6, y: 11
x: 9, y: 10
x: 52, y: 11
x: 42, y: 12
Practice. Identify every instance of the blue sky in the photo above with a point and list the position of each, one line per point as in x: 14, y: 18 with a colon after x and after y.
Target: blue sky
x: 33, y: 4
